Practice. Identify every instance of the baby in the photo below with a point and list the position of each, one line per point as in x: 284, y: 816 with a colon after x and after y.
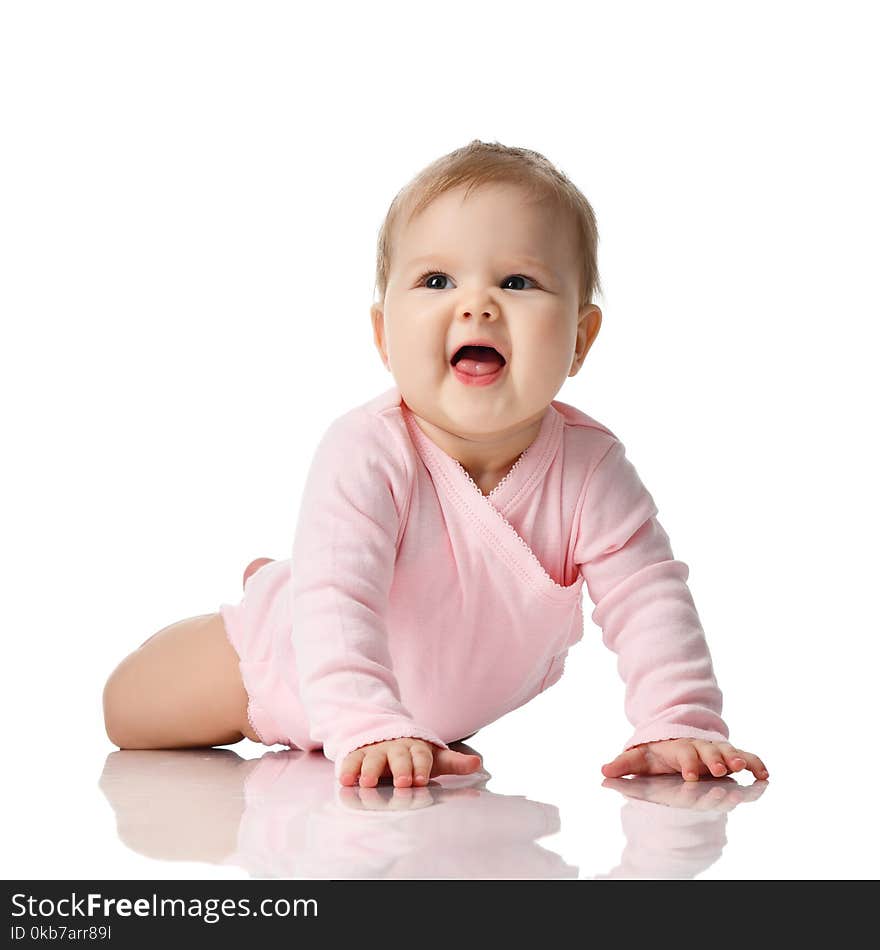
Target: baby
x: 448, y: 525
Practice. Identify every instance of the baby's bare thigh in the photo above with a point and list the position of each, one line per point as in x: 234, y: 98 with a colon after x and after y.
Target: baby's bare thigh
x: 181, y: 688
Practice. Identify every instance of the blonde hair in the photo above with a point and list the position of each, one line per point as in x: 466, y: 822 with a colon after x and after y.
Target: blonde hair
x: 479, y: 163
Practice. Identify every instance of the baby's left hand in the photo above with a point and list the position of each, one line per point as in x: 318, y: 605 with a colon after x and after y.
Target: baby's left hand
x: 691, y: 757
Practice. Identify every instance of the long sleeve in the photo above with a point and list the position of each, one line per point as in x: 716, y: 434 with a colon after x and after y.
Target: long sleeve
x: 342, y: 567
x: 645, y: 608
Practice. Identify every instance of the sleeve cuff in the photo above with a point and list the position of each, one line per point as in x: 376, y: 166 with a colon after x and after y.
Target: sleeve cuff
x: 658, y: 732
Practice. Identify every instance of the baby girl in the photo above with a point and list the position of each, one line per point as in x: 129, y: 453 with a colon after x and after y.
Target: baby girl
x: 448, y: 525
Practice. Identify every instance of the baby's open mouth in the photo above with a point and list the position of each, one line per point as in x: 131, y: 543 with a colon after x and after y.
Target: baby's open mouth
x: 478, y: 360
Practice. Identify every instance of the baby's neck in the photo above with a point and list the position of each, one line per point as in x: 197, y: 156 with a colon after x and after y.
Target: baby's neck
x: 488, y: 483
x: 487, y: 462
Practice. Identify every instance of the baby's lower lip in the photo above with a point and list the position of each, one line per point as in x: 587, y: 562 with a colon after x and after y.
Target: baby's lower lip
x: 486, y: 380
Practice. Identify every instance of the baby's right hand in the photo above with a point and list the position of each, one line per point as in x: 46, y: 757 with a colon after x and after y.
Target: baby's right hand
x: 410, y: 761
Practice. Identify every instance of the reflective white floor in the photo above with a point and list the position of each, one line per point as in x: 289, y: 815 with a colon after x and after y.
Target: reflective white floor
x: 78, y: 808
x: 215, y: 813
x: 282, y: 815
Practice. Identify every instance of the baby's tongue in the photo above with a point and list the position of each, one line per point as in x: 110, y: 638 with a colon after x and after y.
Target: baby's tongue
x: 478, y: 360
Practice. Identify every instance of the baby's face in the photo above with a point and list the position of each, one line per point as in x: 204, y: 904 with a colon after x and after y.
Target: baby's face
x: 496, y: 268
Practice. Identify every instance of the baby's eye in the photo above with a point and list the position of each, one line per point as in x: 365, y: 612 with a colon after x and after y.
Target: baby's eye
x: 432, y: 273
x: 519, y: 277
x: 429, y: 275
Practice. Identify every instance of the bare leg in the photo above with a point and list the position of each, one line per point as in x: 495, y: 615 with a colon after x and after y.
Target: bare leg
x: 181, y: 688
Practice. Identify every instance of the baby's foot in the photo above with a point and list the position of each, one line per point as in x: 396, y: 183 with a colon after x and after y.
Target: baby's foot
x: 255, y: 566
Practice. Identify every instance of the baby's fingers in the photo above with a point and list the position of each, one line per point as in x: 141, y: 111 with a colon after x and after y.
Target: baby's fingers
x: 689, y: 762
x: 737, y: 760
x: 351, y: 767
x: 373, y: 766
x: 422, y: 762
x: 712, y: 755
x: 450, y: 762
x: 400, y: 761
x: 753, y: 764
x: 631, y: 762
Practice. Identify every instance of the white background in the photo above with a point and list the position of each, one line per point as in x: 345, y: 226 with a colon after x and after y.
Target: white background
x: 189, y: 204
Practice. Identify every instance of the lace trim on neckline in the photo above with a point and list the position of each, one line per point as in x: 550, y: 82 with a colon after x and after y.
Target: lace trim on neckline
x: 497, y: 488
x: 516, y: 534
x: 436, y: 452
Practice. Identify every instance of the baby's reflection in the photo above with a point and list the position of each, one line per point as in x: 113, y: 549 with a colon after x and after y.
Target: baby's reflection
x: 285, y: 815
x: 674, y: 828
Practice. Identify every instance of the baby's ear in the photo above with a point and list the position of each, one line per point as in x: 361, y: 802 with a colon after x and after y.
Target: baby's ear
x: 589, y: 321
x: 378, y: 318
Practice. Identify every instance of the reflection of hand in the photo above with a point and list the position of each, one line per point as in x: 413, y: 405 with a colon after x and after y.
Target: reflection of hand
x: 409, y: 761
x: 691, y: 757
x: 367, y: 798
x: 722, y: 794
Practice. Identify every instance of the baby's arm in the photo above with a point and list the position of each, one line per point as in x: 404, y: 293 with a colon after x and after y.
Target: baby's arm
x: 342, y: 567
x: 645, y: 609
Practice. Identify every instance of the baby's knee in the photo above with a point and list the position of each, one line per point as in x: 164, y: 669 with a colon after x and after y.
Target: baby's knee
x: 113, y: 701
x: 120, y: 719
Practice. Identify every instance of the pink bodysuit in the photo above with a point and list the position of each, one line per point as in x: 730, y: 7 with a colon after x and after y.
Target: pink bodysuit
x: 414, y: 605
